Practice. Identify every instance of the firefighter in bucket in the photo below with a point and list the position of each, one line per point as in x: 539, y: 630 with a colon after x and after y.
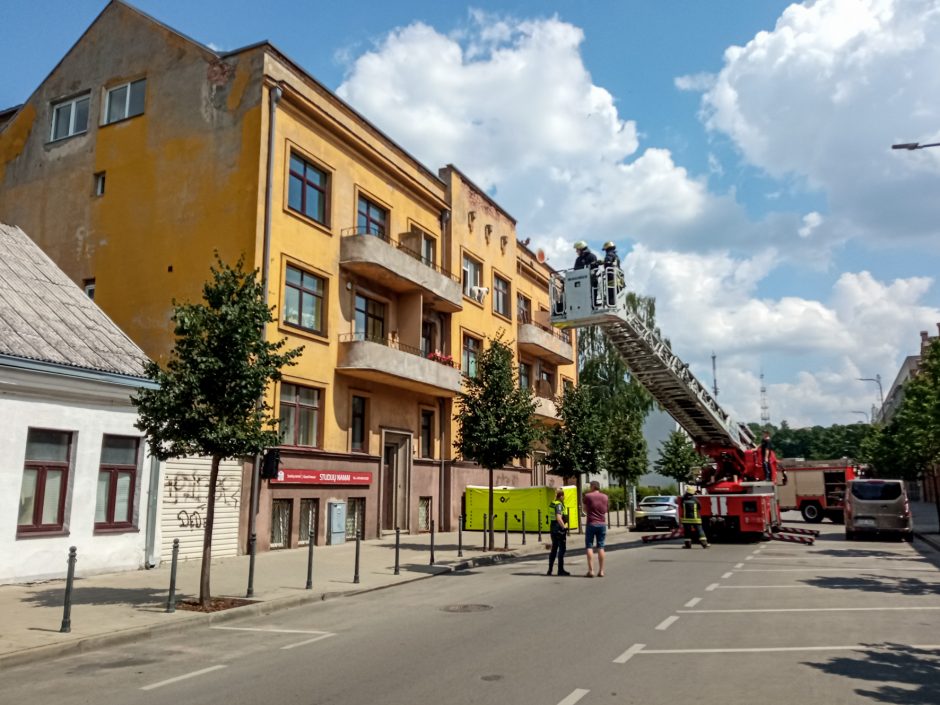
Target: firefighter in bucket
x: 692, y: 519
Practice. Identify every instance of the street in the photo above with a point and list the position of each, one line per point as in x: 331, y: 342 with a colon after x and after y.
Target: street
x: 856, y: 622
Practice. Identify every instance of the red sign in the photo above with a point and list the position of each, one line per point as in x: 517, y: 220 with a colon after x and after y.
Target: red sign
x: 323, y: 477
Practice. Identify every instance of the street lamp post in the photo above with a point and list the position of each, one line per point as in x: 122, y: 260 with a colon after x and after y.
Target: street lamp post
x: 863, y: 413
x: 881, y: 395
x: 911, y: 146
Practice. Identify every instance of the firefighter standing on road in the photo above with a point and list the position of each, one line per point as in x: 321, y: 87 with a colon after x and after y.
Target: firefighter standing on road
x: 691, y: 519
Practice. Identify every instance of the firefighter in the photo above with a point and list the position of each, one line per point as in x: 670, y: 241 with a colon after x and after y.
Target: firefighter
x: 691, y: 519
x: 586, y: 259
x: 611, y: 258
x: 559, y: 533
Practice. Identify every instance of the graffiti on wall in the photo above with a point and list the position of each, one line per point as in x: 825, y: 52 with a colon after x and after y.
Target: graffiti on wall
x: 191, y: 489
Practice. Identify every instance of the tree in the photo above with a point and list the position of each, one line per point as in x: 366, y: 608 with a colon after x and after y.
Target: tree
x: 494, y: 415
x: 576, y: 445
x: 678, y: 458
x: 210, y: 396
x: 626, y: 452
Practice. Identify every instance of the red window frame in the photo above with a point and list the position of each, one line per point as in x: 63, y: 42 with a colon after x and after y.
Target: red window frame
x: 115, y: 470
x: 295, y: 406
x: 42, y: 467
x: 302, y: 288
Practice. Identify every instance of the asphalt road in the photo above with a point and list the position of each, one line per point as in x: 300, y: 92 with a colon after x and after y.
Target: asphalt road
x: 835, y: 623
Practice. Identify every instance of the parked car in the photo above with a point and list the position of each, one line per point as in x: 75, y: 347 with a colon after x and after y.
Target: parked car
x: 657, y: 511
x: 877, y: 507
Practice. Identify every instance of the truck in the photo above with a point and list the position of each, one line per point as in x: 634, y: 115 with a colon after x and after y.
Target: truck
x: 815, y: 488
x: 738, y: 498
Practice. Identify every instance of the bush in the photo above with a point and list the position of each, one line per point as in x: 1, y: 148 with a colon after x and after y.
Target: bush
x: 615, y: 497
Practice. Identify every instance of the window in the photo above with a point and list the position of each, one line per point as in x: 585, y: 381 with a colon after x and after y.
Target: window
x: 308, y: 189
x: 117, y: 478
x: 125, y: 101
x: 357, y: 424
x: 428, y: 337
x: 428, y: 249
x: 501, y: 296
x: 472, y: 274
x: 355, y: 517
x: 309, y: 511
x: 546, y: 382
x: 372, y: 219
x: 524, y: 306
x: 525, y: 375
x: 567, y: 384
x: 45, y: 479
x: 424, y: 513
x: 300, y: 415
x: 303, y: 300
x: 280, y: 523
x: 99, y: 183
x: 70, y: 117
x: 370, y: 319
x: 471, y: 349
x: 89, y: 286
x: 427, y: 433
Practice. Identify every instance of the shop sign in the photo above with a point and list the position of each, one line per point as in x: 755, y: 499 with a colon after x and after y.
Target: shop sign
x: 323, y: 477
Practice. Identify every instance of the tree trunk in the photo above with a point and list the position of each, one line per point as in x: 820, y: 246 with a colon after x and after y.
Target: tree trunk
x: 578, y: 484
x: 623, y: 489
x: 204, y: 593
x: 936, y: 494
x: 491, y: 542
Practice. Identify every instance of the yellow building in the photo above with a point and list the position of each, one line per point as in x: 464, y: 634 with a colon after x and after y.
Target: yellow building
x: 144, y: 152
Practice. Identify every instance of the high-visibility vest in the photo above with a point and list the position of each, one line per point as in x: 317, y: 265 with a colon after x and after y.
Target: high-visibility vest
x: 557, y: 507
x: 690, y: 513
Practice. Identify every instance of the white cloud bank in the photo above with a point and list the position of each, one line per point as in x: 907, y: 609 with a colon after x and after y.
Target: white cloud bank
x: 818, y: 100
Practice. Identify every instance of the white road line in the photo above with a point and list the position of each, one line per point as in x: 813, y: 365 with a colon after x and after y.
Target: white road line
x: 183, y: 677
x: 323, y: 635
x: 829, y: 569
x: 271, y: 629
x: 712, y: 587
x: 629, y: 653
x: 575, y: 696
x: 727, y: 575
x: 738, y: 565
x: 830, y: 558
x: 694, y: 601
x: 666, y: 623
x: 795, y: 585
x: 770, y: 649
x: 749, y: 558
x: 815, y: 609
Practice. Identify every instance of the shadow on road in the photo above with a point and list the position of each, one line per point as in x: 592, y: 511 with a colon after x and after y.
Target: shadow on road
x: 136, y: 597
x: 861, y: 553
x: 878, y: 583
x: 899, y: 674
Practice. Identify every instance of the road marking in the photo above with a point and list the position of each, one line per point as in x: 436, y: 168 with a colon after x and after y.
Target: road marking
x: 183, y: 677
x: 271, y: 629
x: 711, y: 587
x: 749, y: 558
x: 814, y: 609
x: 575, y: 696
x: 629, y: 653
x: 694, y: 601
x: 666, y: 623
x: 830, y: 558
x: 738, y: 565
x: 803, y: 587
x: 770, y: 649
x: 727, y: 575
x: 828, y: 569
x: 323, y: 635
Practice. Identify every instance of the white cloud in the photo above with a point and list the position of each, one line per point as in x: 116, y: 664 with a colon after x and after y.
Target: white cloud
x: 811, y: 221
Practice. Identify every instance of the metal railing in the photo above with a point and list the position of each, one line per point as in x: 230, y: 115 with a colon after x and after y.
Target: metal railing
x: 395, y: 344
x: 385, y: 237
x: 562, y: 335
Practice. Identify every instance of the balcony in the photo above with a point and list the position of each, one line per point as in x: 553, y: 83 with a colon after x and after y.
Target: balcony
x: 388, y: 361
x: 546, y: 343
x: 380, y: 259
x: 545, y: 408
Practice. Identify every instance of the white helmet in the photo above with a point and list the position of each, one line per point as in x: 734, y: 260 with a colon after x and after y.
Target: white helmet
x: 580, y: 245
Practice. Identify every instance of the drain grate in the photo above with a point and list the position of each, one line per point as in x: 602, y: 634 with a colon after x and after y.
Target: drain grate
x: 467, y: 608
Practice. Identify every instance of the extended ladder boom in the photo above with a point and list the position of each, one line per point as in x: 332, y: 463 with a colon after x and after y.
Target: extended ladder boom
x: 582, y: 297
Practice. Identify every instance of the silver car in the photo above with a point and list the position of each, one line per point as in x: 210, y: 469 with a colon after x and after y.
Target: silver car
x: 877, y: 507
x: 657, y: 511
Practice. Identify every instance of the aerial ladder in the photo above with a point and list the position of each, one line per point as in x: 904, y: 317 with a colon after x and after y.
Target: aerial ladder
x: 737, y: 500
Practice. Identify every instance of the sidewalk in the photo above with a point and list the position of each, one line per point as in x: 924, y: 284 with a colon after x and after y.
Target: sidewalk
x: 120, y: 607
x: 925, y: 522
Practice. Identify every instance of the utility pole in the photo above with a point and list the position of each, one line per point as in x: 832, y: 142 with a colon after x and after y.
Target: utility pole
x: 764, y: 409
x: 714, y: 376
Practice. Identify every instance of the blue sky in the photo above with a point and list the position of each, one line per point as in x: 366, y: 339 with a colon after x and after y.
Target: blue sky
x: 739, y: 151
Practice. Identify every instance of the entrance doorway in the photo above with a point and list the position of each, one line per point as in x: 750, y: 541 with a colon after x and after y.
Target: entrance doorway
x: 396, y: 481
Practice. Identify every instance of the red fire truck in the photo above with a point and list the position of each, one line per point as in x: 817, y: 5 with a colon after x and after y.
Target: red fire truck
x: 738, y: 498
x: 815, y: 488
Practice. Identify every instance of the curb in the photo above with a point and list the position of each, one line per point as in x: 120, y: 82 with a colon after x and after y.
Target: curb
x: 932, y: 541
x: 192, y: 620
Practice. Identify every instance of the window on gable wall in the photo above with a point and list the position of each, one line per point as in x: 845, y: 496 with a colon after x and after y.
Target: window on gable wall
x: 70, y: 117
x: 472, y: 274
x: 125, y: 101
x: 308, y: 189
x: 501, y: 296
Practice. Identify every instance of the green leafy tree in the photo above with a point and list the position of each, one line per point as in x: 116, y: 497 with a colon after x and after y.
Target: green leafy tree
x: 678, y: 458
x: 626, y: 456
x: 494, y: 415
x: 207, y: 401
x: 576, y: 445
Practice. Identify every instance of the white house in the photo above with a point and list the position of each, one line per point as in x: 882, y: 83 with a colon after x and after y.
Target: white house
x: 74, y: 471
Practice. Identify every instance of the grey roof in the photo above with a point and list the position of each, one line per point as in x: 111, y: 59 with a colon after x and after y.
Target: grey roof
x: 46, y: 317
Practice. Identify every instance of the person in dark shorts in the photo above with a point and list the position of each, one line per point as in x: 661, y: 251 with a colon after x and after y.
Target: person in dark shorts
x: 559, y: 533
x: 595, y: 506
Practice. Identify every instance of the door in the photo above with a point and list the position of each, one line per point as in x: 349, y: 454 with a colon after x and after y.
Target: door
x: 389, y: 467
x: 396, y: 476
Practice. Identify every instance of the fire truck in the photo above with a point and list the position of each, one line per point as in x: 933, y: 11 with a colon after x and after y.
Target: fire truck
x: 815, y: 488
x: 738, y: 498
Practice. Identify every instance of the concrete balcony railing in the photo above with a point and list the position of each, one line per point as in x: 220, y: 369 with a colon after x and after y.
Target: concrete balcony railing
x: 387, y: 361
x: 545, y: 408
x: 397, y: 267
x: 546, y: 342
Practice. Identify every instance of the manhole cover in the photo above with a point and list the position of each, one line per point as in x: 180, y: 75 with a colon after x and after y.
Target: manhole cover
x: 468, y: 608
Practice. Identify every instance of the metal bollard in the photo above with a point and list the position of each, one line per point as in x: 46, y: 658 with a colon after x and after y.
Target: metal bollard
x: 484, y: 531
x: 460, y: 536
x: 356, y: 574
x: 67, y: 613
x: 310, y: 562
x: 506, y: 531
x: 432, y: 542
x: 618, y: 518
x: 540, y: 526
x: 608, y: 518
x: 523, y: 528
x: 397, y: 548
x: 252, y: 542
x: 171, y: 597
